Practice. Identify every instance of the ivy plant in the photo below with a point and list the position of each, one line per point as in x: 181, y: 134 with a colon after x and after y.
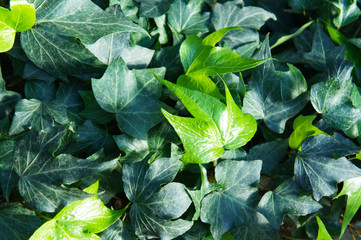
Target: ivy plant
x: 180, y: 119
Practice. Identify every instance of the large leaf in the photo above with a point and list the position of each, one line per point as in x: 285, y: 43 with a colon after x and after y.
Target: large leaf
x: 215, y: 126
x: 352, y: 189
x: 79, y: 220
x: 155, y: 8
x: 321, y: 164
x: 132, y: 95
x: 40, y: 174
x: 51, y: 43
x: 347, y: 10
x: 232, y: 206
x: 268, y: 99
x: 19, y: 19
x: 288, y: 198
x: 92, y: 110
x: 17, y: 222
x: 118, y: 230
x: 155, y: 209
x: 8, y: 178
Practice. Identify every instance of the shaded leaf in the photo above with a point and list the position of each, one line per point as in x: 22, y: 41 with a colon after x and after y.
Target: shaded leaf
x: 348, y: 12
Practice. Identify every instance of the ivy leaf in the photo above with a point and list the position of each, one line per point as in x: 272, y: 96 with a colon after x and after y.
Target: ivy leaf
x: 40, y: 173
x: 347, y: 10
x: 215, y: 126
x: 92, y: 110
x: 20, y: 18
x: 37, y: 115
x: 51, y: 43
x: 351, y: 188
x: 153, y: 9
x: 17, y: 222
x: 155, y: 209
x: 322, y: 231
x: 321, y: 164
x: 117, y: 45
x: 266, y: 100
x: 332, y: 99
x: 238, y: 196
x: 118, y: 230
x: 7, y: 175
x: 288, y: 198
x: 8, y: 99
x: 303, y: 129
x: 80, y: 219
x: 303, y: 5
x: 131, y: 95
x: 186, y: 18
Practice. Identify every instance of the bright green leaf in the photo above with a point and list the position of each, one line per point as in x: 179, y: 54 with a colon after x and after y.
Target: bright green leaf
x: 215, y: 126
x: 352, y: 189
x: 79, y: 220
x: 302, y: 129
x: 322, y: 231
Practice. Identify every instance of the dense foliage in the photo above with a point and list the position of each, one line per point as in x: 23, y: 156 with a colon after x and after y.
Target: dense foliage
x: 180, y: 119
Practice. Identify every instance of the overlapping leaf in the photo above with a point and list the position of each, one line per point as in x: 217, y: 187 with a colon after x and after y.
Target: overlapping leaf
x: 155, y: 209
x: 8, y: 99
x: 232, y: 206
x: 79, y: 220
x: 267, y: 100
x: 40, y: 174
x: 321, y: 164
x: 215, y: 126
x: 348, y: 12
x: 131, y: 95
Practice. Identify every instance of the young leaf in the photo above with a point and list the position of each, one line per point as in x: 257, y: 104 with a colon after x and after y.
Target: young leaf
x: 238, y: 196
x: 79, y: 220
x: 302, y: 129
x: 321, y: 164
x: 351, y: 188
x: 288, y: 198
x: 155, y: 209
x: 131, y: 95
x: 215, y: 126
x: 322, y: 231
x: 20, y: 18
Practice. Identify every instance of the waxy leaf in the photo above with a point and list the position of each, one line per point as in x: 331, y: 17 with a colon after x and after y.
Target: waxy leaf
x: 131, y: 95
x: 118, y: 230
x: 322, y: 231
x: 51, y: 43
x: 347, y: 10
x: 288, y: 198
x: 155, y: 8
x: 351, y: 188
x: 267, y: 99
x: 155, y: 209
x: 215, y: 126
x: 40, y: 174
x: 19, y: 19
x: 238, y: 196
x: 79, y: 220
x: 332, y: 99
x: 303, y: 129
x: 321, y: 164
x: 17, y: 222
x: 8, y: 99
x: 8, y: 178
x: 92, y: 110
x: 185, y: 18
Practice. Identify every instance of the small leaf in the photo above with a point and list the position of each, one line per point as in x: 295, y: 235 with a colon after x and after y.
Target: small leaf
x: 20, y: 18
x: 352, y: 189
x: 322, y: 231
x: 347, y: 10
x: 303, y: 129
x: 79, y: 220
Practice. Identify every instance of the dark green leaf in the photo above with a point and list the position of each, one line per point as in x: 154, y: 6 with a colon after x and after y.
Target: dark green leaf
x: 321, y: 164
x: 118, y: 230
x: 16, y: 222
x: 238, y: 196
x: 347, y: 10
x: 8, y: 178
x: 155, y: 209
x: 155, y: 8
x: 265, y: 100
x: 92, y: 110
x: 132, y: 95
x: 288, y: 198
